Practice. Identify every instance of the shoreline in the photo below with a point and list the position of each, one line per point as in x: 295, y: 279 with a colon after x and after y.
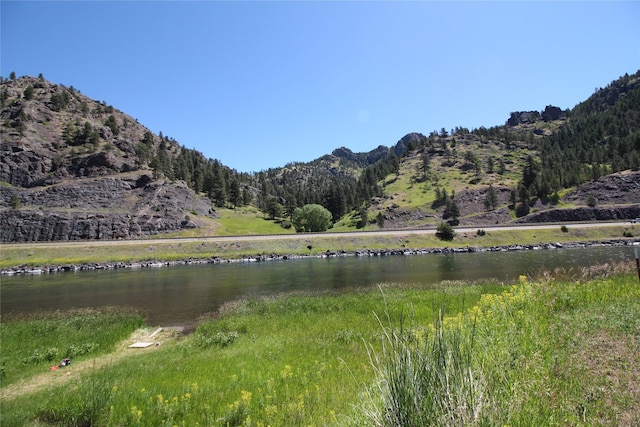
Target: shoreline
x: 63, y: 268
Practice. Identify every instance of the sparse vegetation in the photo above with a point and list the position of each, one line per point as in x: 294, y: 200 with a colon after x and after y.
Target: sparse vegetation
x: 348, y: 184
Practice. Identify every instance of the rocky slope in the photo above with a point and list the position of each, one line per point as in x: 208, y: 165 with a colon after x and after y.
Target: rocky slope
x: 617, y: 197
x: 73, y: 168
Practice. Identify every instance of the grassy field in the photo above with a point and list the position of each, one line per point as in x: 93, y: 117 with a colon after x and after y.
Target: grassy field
x: 167, y: 250
x: 554, y: 350
x: 247, y: 220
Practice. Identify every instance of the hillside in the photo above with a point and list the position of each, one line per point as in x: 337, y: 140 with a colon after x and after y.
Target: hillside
x: 75, y: 168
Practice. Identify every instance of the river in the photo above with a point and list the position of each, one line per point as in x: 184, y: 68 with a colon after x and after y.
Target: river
x: 179, y: 295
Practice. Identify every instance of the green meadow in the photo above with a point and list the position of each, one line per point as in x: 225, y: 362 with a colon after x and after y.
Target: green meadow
x: 559, y: 349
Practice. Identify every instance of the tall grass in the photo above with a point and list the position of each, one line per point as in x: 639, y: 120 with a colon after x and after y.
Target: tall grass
x: 557, y: 350
x: 426, y: 377
x: 294, y: 360
x: 522, y: 357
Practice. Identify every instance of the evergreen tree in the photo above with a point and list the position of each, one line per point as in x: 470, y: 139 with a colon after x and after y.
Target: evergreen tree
x: 28, y: 93
x: 235, y: 195
x: 502, y: 168
x: 273, y: 207
x: 217, y: 192
x: 363, y: 213
x: 247, y: 198
x: 490, y: 164
x: 426, y: 164
x: 445, y: 232
x: 336, y: 201
x: 491, y: 199
x: 452, y: 210
x: 4, y: 95
x: 290, y: 205
x: 112, y: 124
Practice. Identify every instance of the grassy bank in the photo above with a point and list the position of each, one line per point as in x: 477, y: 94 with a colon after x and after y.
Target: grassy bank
x: 31, y: 344
x: 557, y: 350
x: 165, y: 250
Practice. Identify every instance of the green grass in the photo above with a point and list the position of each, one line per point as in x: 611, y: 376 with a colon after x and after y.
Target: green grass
x: 558, y: 350
x: 152, y: 250
x: 541, y: 353
x: 248, y: 221
x: 31, y: 344
x: 293, y: 360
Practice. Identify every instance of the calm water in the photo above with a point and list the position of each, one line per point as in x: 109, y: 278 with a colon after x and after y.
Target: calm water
x: 178, y: 295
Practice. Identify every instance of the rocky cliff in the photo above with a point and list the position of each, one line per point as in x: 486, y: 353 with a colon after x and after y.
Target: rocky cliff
x: 73, y: 168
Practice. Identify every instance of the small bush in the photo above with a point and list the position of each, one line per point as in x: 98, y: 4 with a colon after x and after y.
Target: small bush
x: 480, y: 232
x: 522, y: 210
x: 16, y: 202
x: 564, y: 229
x: 445, y: 232
x: 81, y: 350
x: 220, y: 339
x: 627, y: 233
x: 285, y: 224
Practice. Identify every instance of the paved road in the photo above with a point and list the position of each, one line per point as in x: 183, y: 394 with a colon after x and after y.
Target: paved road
x: 314, y: 235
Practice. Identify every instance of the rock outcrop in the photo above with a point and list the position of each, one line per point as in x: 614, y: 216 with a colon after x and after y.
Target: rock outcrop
x: 583, y: 214
x: 73, y: 168
x: 131, y: 206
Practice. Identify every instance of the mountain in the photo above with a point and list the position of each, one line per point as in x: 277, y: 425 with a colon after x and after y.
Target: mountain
x: 75, y: 168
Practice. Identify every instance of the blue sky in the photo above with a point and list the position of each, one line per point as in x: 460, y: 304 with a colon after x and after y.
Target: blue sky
x: 261, y: 84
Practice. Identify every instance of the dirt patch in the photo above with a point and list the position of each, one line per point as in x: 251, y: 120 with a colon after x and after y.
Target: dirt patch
x: 614, y: 363
x: 68, y: 373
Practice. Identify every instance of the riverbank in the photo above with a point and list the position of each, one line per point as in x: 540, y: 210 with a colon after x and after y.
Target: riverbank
x: 552, y: 348
x: 69, y: 258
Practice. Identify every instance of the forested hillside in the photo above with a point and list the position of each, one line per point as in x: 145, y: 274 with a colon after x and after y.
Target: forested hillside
x: 601, y: 136
x: 54, y: 139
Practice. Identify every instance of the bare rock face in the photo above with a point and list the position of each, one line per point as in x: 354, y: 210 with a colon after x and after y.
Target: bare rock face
x: 618, y: 188
x: 583, y: 214
x: 72, y: 168
x: 131, y: 206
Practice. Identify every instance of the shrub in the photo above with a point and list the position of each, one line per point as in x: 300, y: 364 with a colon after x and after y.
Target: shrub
x: 311, y: 218
x: 564, y: 229
x: 522, y: 209
x: 220, y: 339
x: 285, y: 224
x: 15, y: 202
x: 445, y: 231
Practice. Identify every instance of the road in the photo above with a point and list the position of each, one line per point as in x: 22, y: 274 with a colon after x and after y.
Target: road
x: 306, y: 236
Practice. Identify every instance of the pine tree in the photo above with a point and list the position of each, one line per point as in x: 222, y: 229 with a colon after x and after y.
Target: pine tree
x: 491, y: 199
